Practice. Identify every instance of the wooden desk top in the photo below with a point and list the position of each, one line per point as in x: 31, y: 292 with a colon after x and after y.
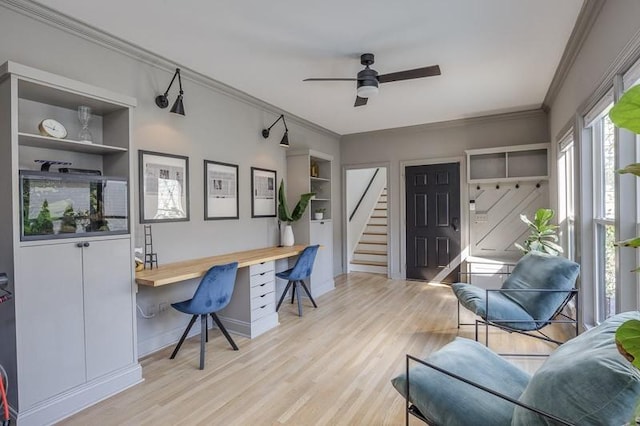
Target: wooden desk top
x: 195, y: 268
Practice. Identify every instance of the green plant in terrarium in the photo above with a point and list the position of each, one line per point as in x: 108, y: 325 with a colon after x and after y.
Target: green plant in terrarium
x: 41, y: 225
x: 542, y: 234
x: 68, y: 221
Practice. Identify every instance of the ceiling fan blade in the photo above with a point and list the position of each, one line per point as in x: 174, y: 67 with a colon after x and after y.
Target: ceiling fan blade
x: 410, y: 74
x: 330, y: 79
x: 360, y: 101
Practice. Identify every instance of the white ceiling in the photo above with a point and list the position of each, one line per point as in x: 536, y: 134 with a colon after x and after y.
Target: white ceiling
x: 495, y: 55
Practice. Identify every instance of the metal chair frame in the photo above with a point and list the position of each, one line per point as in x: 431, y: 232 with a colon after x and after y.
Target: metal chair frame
x: 412, y: 410
x: 571, y: 294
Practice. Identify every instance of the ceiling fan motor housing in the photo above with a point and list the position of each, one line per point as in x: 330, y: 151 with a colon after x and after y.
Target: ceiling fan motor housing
x: 367, y: 82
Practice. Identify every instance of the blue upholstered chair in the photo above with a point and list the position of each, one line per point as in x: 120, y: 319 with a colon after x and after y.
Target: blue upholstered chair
x: 213, y: 294
x: 296, y: 275
x: 583, y: 382
x: 532, y: 297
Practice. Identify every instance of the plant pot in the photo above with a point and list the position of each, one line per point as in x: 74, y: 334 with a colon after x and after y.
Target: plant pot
x: 318, y: 216
x: 287, y: 236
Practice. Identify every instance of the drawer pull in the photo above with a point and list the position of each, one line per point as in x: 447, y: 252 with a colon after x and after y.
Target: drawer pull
x: 262, y: 285
x: 263, y: 295
x: 263, y: 273
x: 263, y: 306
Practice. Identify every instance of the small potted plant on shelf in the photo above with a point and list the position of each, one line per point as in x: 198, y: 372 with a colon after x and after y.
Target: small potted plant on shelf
x: 284, y: 215
x: 319, y: 214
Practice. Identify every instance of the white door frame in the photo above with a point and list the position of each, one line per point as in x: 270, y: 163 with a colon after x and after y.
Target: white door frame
x: 345, y: 214
x: 464, y: 203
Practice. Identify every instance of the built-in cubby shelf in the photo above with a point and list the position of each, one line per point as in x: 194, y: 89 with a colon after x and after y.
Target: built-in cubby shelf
x: 508, y: 164
x: 39, y: 141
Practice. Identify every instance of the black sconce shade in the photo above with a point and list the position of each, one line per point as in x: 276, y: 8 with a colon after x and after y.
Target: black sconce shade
x: 162, y: 101
x: 284, y: 142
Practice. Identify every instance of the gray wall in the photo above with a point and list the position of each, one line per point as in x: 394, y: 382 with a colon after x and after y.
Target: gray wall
x: 217, y: 127
x: 440, y: 140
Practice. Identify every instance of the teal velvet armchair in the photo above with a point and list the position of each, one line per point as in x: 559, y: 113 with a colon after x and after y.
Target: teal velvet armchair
x: 583, y: 382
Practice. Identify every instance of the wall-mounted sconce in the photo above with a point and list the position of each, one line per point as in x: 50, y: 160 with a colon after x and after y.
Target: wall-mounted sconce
x: 285, y: 138
x: 163, y: 102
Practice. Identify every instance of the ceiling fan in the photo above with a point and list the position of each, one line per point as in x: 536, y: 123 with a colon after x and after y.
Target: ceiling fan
x: 368, y: 79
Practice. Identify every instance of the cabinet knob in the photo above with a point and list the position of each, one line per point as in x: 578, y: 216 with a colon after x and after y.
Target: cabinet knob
x: 85, y: 244
x: 79, y: 245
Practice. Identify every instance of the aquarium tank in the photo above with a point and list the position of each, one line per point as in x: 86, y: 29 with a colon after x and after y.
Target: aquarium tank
x: 64, y: 205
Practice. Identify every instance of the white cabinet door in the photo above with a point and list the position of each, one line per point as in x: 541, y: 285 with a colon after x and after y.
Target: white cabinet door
x: 108, y: 306
x: 49, y: 321
x: 322, y: 274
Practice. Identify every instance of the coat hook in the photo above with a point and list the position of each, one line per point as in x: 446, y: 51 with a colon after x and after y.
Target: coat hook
x: 497, y: 186
x: 538, y: 185
x: 478, y: 187
x: 517, y: 185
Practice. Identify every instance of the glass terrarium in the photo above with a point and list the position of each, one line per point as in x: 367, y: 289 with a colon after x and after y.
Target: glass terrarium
x: 65, y: 205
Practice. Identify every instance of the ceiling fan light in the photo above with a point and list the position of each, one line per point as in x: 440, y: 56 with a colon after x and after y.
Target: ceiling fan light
x: 367, y: 91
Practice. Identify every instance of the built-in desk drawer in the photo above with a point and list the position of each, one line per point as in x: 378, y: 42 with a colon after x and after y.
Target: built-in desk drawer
x: 264, y: 288
x: 261, y: 267
x: 263, y: 299
x: 264, y: 309
x: 261, y: 278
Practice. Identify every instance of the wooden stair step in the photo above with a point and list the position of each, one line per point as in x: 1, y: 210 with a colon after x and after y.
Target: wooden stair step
x: 378, y: 217
x: 369, y: 263
x: 376, y: 224
x: 374, y: 233
x: 374, y: 252
x: 375, y: 243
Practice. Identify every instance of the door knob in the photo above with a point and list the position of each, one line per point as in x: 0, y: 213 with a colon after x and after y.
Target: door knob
x: 454, y: 223
x: 85, y: 244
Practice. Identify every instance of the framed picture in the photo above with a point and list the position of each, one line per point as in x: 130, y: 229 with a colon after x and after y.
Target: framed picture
x: 164, y: 187
x: 263, y: 192
x: 220, y: 190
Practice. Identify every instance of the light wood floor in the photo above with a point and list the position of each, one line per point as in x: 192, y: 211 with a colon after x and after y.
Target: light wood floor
x: 333, y: 366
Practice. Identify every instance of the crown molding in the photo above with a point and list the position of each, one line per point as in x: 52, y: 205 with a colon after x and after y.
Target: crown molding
x: 460, y: 122
x: 71, y: 25
x: 586, y: 18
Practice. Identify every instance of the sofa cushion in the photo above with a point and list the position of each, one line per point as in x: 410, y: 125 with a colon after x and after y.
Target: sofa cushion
x: 500, y: 307
x: 541, y: 271
x: 445, y: 400
x: 585, y: 381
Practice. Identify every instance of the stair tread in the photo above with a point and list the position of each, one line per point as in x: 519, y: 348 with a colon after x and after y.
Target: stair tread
x: 374, y: 233
x: 375, y: 243
x: 369, y: 262
x: 376, y: 224
x: 378, y: 217
x: 374, y: 252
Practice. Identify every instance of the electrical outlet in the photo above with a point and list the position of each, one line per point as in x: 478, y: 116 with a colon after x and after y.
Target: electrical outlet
x: 163, y: 306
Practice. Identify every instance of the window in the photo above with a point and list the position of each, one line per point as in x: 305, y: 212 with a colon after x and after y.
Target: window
x: 604, y: 212
x: 566, y: 197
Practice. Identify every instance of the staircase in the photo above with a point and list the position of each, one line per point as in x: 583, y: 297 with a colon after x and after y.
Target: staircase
x: 370, y: 254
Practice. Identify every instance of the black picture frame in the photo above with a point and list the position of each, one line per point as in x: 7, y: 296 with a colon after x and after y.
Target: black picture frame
x: 263, y: 192
x: 221, y: 191
x: 159, y: 176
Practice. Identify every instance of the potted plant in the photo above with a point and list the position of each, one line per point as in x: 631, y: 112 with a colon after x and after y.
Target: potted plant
x: 284, y: 215
x: 626, y: 114
x: 542, y: 236
x: 319, y: 214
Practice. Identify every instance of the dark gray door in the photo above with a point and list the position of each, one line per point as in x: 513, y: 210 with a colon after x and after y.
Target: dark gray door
x: 433, y: 221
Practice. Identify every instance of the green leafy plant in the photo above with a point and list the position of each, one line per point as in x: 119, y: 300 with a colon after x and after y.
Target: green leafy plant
x: 542, y: 234
x: 284, y: 214
x: 626, y: 114
x: 321, y: 210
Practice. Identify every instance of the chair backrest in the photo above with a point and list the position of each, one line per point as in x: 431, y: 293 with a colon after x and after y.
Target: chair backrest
x: 540, y: 271
x: 304, y: 265
x: 215, y: 289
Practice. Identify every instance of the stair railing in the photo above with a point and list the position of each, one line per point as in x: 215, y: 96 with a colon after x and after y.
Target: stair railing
x: 364, y: 194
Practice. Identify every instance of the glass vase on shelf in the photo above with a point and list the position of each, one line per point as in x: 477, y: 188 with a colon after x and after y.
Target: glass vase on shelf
x: 84, y: 115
